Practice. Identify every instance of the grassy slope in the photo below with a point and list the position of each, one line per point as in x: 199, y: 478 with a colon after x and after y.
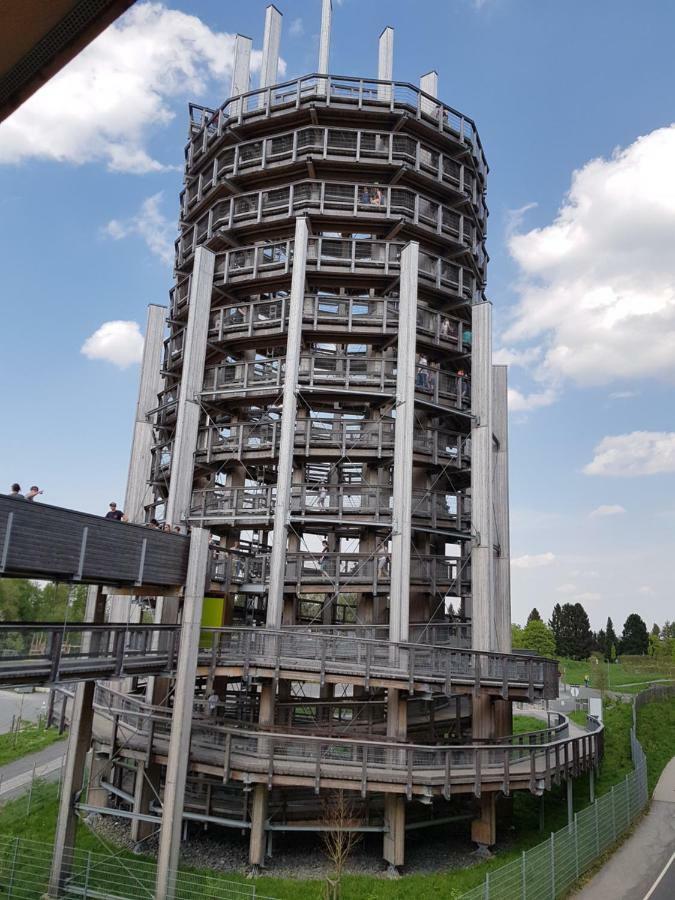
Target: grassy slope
x: 657, y: 730
x: 523, y: 724
x: 656, y: 733
x: 621, y: 678
x: 28, y: 740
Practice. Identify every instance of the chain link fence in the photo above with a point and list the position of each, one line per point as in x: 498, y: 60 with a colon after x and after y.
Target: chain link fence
x: 25, y: 867
x: 550, y: 869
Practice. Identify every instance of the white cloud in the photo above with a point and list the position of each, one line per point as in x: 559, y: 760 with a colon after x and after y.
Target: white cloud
x: 120, y: 343
x: 637, y: 453
x: 533, y: 562
x: 588, y: 597
x: 597, y: 285
x: 645, y: 589
x: 515, y: 217
x: 566, y: 588
x: 151, y: 225
x: 507, y: 356
x: 607, y: 510
x: 622, y: 395
x: 297, y: 28
x: 105, y: 104
x: 519, y: 402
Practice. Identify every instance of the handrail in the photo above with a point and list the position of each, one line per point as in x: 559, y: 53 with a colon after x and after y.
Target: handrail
x: 329, y: 143
x: 266, y: 751
x: 332, y: 89
x: 354, y: 200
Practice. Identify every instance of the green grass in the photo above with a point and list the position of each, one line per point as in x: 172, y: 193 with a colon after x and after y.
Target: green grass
x: 30, y: 739
x: 578, y: 716
x: 656, y: 730
x: 523, y: 724
x: 621, y: 677
x: 656, y: 733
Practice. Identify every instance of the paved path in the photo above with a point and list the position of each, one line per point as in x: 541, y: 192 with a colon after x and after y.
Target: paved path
x: 16, y: 776
x: 632, y: 873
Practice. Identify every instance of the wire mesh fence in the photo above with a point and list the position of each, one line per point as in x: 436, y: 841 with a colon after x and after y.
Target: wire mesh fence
x: 550, y: 869
x: 25, y: 866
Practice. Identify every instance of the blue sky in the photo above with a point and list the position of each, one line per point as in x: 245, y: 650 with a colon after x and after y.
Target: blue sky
x: 582, y: 274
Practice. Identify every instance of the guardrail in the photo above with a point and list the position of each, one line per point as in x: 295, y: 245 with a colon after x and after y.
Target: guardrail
x: 412, y: 768
x: 340, y: 92
x: 38, y: 540
x: 551, y: 868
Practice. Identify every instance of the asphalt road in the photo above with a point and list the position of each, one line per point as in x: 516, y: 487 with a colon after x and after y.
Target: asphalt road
x: 633, y: 872
x: 28, y: 705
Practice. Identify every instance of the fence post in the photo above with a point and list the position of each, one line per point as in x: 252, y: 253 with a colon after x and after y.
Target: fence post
x: 552, y: 865
x: 597, y: 830
x: 613, y: 814
x: 487, y: 886
x: 523, y: 877
x: 86, y: 875
x: 13, y: 869
x: 576, y: 845
x: 30, y: 792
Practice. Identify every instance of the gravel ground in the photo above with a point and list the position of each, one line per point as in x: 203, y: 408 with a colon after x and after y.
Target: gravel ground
x: 302, y: 856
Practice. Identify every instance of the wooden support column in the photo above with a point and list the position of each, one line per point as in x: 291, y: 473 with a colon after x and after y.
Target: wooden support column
x: 385, y: 63
x: 324, y: 39
x: 270, y: 51
x: 79, y: 741
x: 256, y: 850
x: 483, y: 628
x: 146, y: 790
x: 484, y: 826
x: 429, y: 85
x: 187, y: 426
x: 181, y: 720
x: 502, y: 563
x: 275, y: 594
x: 241, y: 66
x: 192, y: 379
x: 99, y: 770
x: 399, y: 598
x: 139, y: 492
x: 393, y: 849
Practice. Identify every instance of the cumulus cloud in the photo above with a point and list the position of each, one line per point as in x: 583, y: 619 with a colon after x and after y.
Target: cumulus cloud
x: 597, y: 285
x: 535, y: 561
x: 637, y: 453
x: 150, y: 225
x: 118, y: 342
x: 622, y: 395
x: 588, y: 597
x: 297, y: 28
x: 566, y: 588
x: 105, y: 104
x: 519, y: 402
x: 608, y: 510
x: 507, y: 356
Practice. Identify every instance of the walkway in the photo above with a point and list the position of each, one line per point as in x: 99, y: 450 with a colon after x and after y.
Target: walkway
x: 633, y: 870
x: 16, y: 776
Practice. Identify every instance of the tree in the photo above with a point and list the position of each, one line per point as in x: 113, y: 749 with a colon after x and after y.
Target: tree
x: 534, y: 615
x: 656, y: 631
x: 575, y: 638
x: 634, y: 640
x: 601, y: 641
x: 611, y: 641
x: 339, y: 839
x: 516, y: 637
x: 554, y: 625
x: 538, y: 637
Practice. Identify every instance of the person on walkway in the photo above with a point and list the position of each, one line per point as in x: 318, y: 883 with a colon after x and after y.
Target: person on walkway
x: 212, y: 702
x: 33, y: 492
x: 16, y: 492
x: 323, y: 559
x: 114, y: 512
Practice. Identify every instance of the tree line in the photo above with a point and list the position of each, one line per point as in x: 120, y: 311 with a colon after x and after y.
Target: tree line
x: 568, y: 633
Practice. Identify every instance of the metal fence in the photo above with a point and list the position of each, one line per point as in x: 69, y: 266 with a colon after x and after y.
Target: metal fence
x: 25, y: 867
x: 550, y: 869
